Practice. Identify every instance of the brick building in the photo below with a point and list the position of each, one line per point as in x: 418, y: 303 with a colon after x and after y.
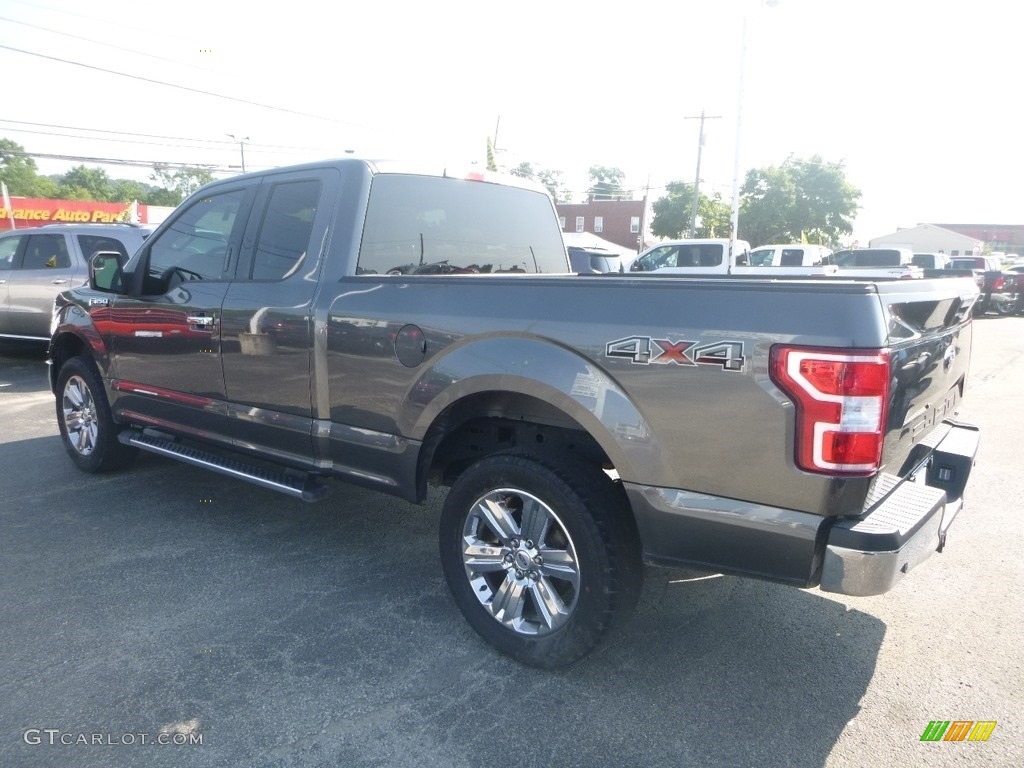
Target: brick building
x: 1008, y: 238
x: 623, y: 222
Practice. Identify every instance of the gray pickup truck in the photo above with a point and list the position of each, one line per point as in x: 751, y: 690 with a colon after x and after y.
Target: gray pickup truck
x: 393, y: 329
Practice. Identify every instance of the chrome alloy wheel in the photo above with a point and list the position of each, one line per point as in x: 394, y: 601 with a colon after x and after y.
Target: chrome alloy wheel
x: 520, y: 561
x: 79, y: 410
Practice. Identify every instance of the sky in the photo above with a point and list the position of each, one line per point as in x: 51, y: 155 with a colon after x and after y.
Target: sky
x: 919, y: 99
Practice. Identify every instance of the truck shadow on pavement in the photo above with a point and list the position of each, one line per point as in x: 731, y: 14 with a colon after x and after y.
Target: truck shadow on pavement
x: 323, y: 634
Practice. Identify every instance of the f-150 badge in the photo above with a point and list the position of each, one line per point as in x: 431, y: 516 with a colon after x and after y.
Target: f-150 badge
x: 645, y: 350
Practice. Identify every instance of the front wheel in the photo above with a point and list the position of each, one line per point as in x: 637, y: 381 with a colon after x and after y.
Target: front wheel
x: 540, y: 555
x: 83, y: 414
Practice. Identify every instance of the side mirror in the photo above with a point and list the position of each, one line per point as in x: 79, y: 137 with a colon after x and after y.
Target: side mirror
x: 106, y: 271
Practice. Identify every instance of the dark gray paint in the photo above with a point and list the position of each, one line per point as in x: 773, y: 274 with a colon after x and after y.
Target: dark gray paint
x: 324, y: 388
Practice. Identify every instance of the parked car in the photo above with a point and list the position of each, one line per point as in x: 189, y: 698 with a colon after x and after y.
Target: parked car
x: 38, y: 263
x: 930, y: 260
x: 998, y: 291
x: 891, y: 263
x: 593, y: 260
x: 791, y: 255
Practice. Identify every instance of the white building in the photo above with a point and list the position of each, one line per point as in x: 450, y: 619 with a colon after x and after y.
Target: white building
x: 928, y: 238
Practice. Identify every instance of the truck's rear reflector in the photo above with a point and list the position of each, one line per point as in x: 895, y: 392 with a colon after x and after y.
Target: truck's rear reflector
x: 841, y: 398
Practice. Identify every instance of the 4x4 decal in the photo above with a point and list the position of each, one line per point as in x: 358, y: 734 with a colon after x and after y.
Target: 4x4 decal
x: 645, y: 350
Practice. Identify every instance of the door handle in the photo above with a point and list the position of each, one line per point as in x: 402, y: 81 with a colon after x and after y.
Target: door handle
x: 59, y: 282
x: 203, y: 320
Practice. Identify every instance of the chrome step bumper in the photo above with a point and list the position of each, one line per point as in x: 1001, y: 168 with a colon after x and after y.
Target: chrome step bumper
x: 868, y: 555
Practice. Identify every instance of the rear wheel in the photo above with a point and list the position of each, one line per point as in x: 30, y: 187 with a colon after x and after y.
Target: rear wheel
x: 1006, y: 308
x: 540, y: 555
x: 83, y: 414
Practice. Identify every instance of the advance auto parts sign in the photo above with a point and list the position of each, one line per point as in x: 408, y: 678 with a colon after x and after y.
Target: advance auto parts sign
x: 34, y: 212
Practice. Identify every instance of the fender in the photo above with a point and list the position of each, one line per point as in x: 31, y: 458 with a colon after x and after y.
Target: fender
x: 74, y: 328
x: 542, y: 369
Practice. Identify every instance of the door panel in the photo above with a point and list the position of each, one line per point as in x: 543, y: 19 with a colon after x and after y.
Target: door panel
x: 267, y: 314
x: 167, y: 342
x: 9, y: 257
x: 46, y: 269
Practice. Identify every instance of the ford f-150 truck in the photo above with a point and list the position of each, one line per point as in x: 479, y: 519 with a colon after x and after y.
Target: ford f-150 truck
x: 391, y: 328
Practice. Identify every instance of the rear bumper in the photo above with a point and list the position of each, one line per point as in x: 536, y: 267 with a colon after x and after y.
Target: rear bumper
x: 906, y: 521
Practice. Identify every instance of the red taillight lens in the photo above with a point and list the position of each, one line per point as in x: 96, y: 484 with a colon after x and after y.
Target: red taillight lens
x: 998, y: 285
x: 841, y: 398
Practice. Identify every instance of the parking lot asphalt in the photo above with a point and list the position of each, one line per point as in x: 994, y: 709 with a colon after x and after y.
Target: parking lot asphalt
x: 165, y: 603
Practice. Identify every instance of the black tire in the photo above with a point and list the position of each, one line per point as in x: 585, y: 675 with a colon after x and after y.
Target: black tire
x: 549, y: 600
x: 87, y: 429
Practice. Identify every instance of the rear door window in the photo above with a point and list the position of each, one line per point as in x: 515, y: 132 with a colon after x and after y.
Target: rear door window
x: 283, y: 242
x: 46, y: 252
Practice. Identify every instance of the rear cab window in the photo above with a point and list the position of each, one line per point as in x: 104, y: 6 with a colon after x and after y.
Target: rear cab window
x: 424, y: 225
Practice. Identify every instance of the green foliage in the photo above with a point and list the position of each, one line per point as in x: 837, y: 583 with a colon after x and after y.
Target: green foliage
x: 126, y: 190
x: 182, y: 181
x: 606, y: 183
x: 18, y: 172
x: 552, y: 180
x: 82, y: 183
x: 672, y: 213
x: 801, y: 200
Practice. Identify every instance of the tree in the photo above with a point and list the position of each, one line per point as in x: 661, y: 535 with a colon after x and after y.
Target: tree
x: 767, y: 202
x: 126, y: 190
x: 606, y: 183
x: 82, y: 183
x: 672, y: 213
x: 18, y: 171
x: 552, y: 180
x: 180, y: 182
x: 800, y: 201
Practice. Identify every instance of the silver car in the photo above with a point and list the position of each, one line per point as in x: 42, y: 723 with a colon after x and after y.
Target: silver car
x: 38, y: 263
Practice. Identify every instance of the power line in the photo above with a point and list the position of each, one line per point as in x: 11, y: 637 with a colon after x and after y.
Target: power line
x: 107, y: 21
x: 135, y: 141
x: 104, y: 138
x: 102, y: 43
x: 179, y: 87
x: 116, y: 161
x: 147, y: 135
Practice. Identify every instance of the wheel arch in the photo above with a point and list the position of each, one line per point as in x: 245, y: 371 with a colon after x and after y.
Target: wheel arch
x: 63, y: 347
x: 521, y: 380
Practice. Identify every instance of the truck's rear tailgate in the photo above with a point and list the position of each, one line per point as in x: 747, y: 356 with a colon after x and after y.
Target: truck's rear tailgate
x: 929, y: 338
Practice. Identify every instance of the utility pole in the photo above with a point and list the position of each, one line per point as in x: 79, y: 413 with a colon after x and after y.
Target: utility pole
x: 643, y: 216
x: 696, y: 180
x: 241, y: 145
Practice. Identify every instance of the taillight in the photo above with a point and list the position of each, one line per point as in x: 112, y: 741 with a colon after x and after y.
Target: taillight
x: 998, y: 284
x: 841, y: 398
